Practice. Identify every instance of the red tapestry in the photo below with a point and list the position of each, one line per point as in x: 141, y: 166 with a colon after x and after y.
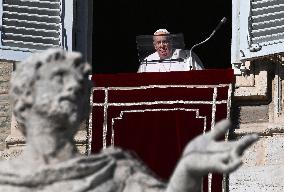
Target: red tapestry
x: 157, y: 114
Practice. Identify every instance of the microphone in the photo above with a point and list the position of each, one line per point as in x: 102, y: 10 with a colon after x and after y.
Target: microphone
x: 220, y: 23
x: 211, y: 35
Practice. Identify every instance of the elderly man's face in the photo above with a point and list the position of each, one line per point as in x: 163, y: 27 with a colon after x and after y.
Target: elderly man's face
x: 162, y: 45
x: 61, y: 90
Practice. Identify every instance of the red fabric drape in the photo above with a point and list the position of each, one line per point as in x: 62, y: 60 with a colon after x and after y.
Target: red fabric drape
x: 157, y: 122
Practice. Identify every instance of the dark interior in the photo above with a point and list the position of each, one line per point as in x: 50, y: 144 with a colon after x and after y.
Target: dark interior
x: 117, y: 23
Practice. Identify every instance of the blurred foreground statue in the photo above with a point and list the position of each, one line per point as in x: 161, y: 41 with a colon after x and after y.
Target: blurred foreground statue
x: 49, y: 93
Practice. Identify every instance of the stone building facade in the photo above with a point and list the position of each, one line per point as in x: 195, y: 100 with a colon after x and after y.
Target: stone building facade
x: 257, y: 107
x: 5, y: 107
x: 256, y: 56
x: 53, y: 24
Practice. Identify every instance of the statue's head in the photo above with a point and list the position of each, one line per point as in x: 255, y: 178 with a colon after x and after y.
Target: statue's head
x: 54, y: 85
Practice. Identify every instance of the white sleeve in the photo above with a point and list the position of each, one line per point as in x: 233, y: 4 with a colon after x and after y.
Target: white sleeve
x: 195, y: 59
x: 198, y: 63
x: 141, y: 68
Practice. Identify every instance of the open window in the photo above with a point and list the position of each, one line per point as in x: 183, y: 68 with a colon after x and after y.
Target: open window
x: 32, y: 25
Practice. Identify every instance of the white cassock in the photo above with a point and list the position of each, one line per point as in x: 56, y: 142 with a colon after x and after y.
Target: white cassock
x: 180, y: 61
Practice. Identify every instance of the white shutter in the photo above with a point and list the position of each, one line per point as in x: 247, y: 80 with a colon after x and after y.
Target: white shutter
x: 31, y: 25
x: 261, y: 28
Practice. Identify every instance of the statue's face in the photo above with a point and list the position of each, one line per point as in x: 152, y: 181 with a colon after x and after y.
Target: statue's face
x: 61, y: 92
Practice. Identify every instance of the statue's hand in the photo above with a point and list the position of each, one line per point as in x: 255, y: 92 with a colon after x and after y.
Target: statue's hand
x: 206, y: 154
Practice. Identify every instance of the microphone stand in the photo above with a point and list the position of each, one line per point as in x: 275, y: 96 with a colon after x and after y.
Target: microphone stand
x: 196, y: 45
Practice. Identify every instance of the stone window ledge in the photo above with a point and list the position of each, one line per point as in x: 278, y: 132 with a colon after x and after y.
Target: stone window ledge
x: 263, y: 129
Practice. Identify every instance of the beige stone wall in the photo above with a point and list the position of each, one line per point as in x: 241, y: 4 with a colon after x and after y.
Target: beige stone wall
x: 258, y: 101
x: 263, y: 170
x: 5, y: 108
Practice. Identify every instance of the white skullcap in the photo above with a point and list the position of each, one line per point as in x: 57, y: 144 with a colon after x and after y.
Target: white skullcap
x: 162, y: 31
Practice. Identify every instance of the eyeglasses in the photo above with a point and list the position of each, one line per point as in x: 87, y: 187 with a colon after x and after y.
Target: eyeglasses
x: 163, y: 42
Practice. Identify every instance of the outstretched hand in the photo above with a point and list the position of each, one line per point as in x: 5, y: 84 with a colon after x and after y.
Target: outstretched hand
x: 205, y: 154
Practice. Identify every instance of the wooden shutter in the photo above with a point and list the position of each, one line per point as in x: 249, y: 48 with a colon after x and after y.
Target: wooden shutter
x: 261, y: 28
x: 31, y: 25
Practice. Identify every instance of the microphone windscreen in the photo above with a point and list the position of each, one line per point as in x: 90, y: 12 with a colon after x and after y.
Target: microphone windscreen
x: 224, y: 20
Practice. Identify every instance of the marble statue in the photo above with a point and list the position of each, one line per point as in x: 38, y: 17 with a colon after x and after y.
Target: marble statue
x: 49, y: 91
